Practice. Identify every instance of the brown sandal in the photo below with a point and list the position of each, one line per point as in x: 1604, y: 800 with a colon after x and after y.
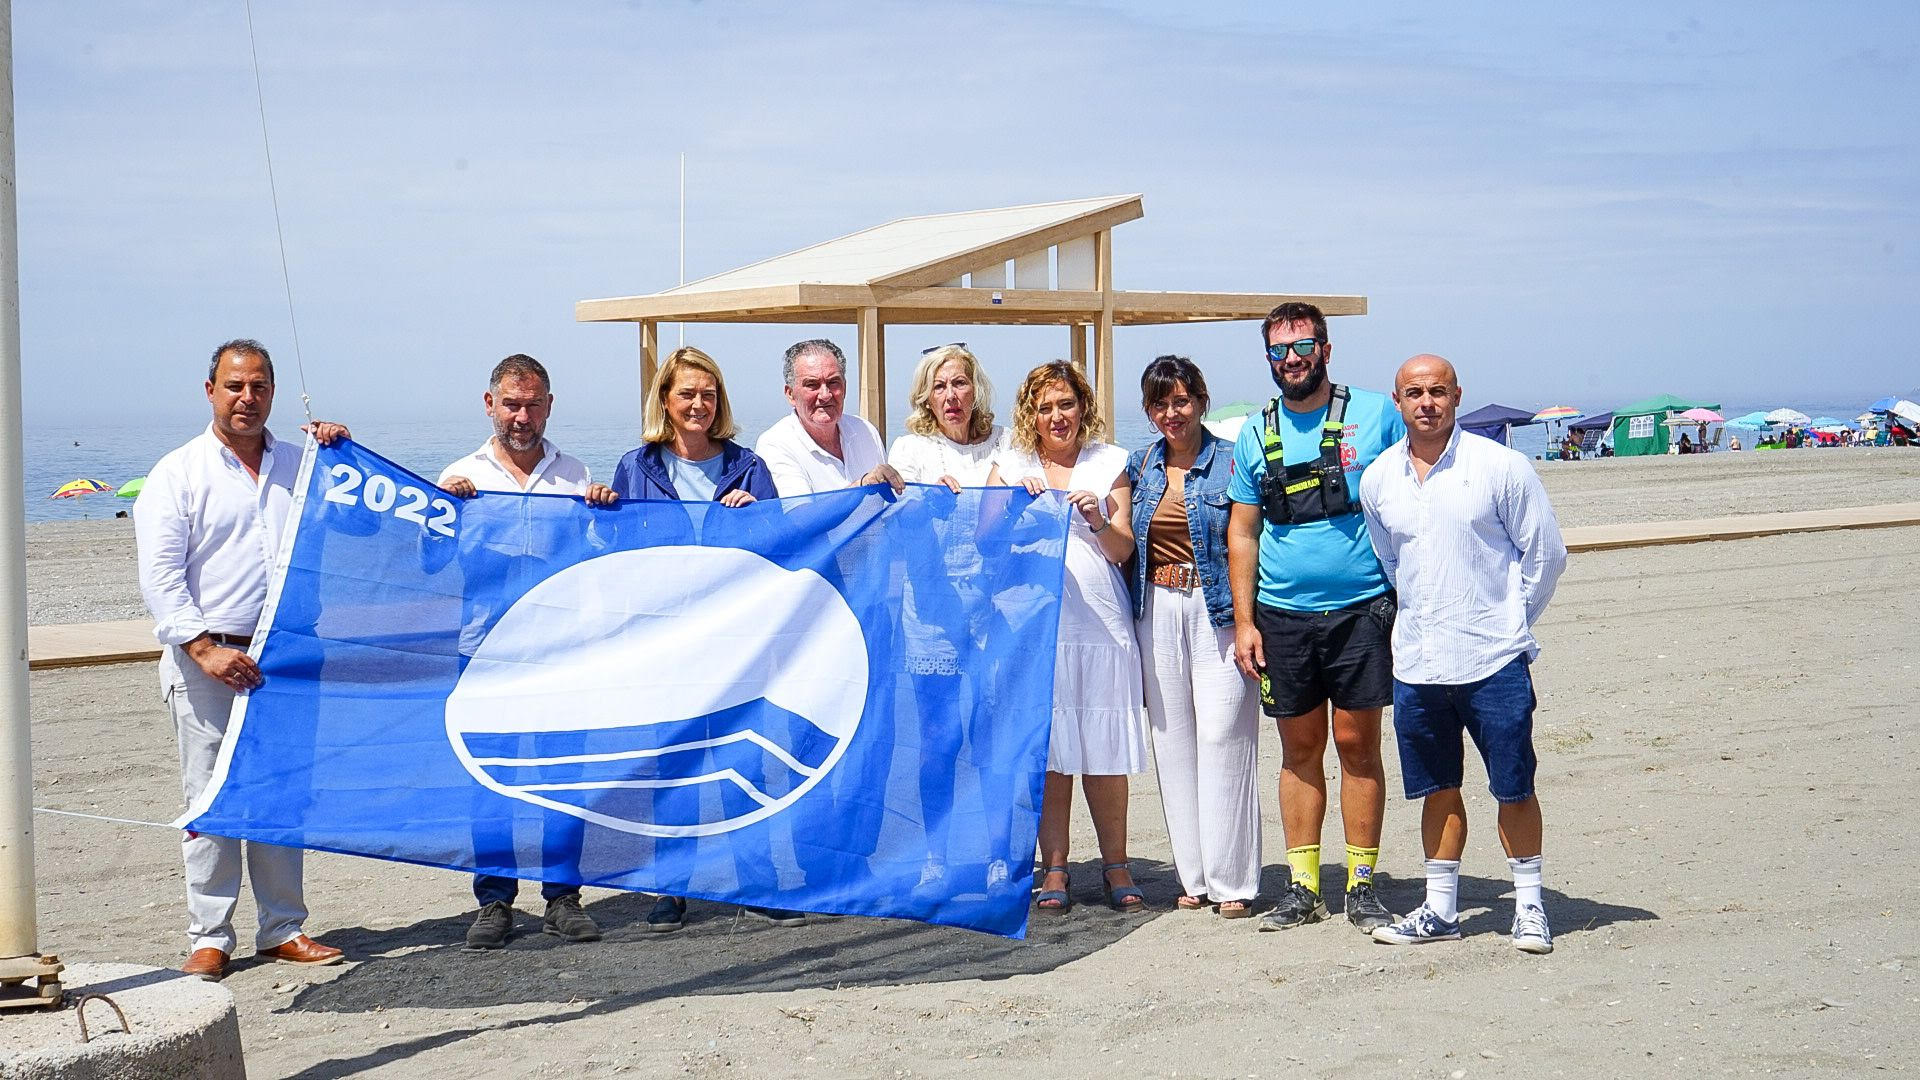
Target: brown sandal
x: 1235, y: 909
x: 1193, y: 903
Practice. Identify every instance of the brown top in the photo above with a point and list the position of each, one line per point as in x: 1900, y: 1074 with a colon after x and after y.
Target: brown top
x: 1168, y: 539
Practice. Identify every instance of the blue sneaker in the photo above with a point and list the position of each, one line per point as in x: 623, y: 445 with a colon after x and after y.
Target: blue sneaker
x: 1530, y: 933
x: 1418, y: 927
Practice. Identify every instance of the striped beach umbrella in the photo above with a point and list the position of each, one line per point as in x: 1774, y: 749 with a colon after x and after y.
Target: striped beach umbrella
x: 75, y: 488
x: 1556, y: 412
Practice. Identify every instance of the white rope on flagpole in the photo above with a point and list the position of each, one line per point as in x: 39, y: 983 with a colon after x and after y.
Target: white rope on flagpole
x: 286, y: 279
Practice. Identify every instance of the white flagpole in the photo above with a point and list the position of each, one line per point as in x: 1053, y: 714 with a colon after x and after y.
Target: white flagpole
x: 19, y: 930
x: 683, y: 235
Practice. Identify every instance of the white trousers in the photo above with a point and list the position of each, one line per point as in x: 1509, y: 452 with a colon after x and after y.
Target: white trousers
x: 1205, y: 719
x: 200, y: 706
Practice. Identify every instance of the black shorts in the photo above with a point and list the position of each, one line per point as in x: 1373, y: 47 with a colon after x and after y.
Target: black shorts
x: 1343, y: 656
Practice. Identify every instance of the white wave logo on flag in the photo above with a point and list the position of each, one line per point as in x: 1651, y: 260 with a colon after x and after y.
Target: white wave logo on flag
x: 683, y: 669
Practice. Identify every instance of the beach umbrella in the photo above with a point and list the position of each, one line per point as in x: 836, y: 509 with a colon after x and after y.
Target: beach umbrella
x: 131, y: 489
x: 1234, y: 410
x: 1703, y: 416
x: 1885, y: 404
x: 1906, y: 410
x: 1227, y: 420
x: 1826, y: 422
x: 1556, y: 412
x: 1751, y: 420
x: 75, y: 488
x: 1787, y: 416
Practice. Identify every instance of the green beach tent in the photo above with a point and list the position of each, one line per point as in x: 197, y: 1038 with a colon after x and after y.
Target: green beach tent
x: 1637, y: 428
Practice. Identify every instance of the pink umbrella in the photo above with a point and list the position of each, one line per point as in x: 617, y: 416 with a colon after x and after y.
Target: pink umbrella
x: 1703, y: 416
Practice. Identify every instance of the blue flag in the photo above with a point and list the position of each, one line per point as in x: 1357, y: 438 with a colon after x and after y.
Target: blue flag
x: 835, y: 703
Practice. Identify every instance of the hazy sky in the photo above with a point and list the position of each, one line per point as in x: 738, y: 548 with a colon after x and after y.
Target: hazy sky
x: 1577, y: 205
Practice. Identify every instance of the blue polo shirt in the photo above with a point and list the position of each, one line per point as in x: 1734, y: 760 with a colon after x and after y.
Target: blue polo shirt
x: 1318, y: 565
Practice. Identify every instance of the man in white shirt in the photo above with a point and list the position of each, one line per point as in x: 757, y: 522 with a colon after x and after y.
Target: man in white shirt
x: 1464, y: 530
x: 819, y: 447
x: 519, y: 459
x: 207, y: 527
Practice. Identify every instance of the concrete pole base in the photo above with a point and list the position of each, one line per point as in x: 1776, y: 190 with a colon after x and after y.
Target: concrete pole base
x: 181, y: 1028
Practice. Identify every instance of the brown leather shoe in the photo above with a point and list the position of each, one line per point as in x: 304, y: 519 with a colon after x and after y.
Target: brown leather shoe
x: 208, y: 964
x: 303, y: 950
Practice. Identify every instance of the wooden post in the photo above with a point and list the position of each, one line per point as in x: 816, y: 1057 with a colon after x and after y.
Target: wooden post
x: 649, y: 359
x: 1103, y: 326
x: 873, y: 370
x: 1077, y: 344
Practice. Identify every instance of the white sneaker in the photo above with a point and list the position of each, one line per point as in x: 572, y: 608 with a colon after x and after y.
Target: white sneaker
x: 998, y: 875
x: 1420, y: 926
x: 1530, y: 933
x: 932, y: 875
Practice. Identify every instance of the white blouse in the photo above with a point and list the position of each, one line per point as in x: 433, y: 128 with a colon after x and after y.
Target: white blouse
x: 924, y: 459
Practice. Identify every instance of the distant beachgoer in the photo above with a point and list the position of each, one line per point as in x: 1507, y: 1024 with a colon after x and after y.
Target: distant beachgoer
x: 1686, y: 443
x: 207, y: 526
x: 1098, y: 713
x: 1203, y: 712
x: 1465, y: 530
x: 1733, y: 444
x: 1315, y: 633
x: 518, y: 458
x: 819, y: 447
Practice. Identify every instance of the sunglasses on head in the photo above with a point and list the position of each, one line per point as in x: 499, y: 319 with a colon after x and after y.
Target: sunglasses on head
x: 1303, y: 347
x: 948, y: 345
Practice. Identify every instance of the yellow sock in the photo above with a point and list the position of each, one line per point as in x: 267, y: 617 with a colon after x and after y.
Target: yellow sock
x: 1360, y: 864
x: 1305, y: 862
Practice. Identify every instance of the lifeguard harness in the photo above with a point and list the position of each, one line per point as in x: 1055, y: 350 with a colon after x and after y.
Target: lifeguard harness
x: 1311, y: 490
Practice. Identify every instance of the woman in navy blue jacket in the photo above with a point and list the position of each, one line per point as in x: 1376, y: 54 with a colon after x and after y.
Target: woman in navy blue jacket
x: 689, y: 454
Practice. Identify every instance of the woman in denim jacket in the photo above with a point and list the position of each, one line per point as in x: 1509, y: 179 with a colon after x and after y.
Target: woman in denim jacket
x: 1203, y: 712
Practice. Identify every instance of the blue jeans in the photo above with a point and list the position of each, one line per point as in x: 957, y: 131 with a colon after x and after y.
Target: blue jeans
x: 1497, y: 712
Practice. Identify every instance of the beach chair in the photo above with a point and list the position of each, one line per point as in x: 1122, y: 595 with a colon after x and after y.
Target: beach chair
x: 1713, y: 443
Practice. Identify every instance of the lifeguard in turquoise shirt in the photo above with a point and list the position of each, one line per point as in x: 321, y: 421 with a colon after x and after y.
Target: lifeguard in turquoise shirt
x: 1313, y: 611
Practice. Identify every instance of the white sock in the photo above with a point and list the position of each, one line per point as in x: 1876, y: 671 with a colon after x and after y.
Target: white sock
x: 1526, y: 881
x: 1443, y: 888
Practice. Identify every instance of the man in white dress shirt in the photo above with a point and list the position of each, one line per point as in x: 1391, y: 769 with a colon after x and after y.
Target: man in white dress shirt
x: 1463, y: 528
x: 208, y: 526
x: 819, y: 447
x: 518, y: 458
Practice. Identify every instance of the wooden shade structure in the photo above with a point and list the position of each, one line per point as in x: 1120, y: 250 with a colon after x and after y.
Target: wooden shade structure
x: 1048, y: 264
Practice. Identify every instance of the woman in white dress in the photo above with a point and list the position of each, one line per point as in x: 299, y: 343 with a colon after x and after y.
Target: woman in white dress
x: 1099, y: 719
x: 951, y: 439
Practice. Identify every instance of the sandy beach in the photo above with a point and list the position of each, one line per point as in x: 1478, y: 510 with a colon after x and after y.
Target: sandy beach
x: 1723, y: 763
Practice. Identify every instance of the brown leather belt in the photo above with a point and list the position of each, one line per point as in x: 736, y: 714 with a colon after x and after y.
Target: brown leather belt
x: 231, y: 641
x: 1175, y: 576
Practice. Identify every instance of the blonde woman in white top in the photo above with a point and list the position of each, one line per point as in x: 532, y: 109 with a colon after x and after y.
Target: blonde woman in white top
x: 951, y: 440
x: 1099, y: 711
x: 951, y: 437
